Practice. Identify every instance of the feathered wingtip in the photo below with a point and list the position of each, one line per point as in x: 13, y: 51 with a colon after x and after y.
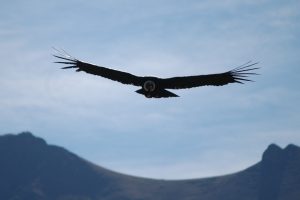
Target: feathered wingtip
x: 68, y: 59
x: 242, y: 72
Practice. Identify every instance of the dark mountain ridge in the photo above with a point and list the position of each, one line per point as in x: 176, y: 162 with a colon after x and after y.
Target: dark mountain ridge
x: 32, y: 169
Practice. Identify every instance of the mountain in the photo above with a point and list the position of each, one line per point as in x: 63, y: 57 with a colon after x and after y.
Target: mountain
x: 32, y: 169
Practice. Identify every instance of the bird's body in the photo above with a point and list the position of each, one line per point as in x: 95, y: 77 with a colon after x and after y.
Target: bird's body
x: 154, y: 87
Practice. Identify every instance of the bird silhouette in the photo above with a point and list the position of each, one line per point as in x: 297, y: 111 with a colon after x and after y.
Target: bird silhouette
x: 155, y: 87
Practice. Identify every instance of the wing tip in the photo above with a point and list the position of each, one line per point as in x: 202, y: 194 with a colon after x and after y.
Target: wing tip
x: 242, y: 72
x: 66, y: 58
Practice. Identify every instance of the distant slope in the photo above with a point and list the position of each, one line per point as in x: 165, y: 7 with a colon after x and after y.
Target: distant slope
x: 31, y: 169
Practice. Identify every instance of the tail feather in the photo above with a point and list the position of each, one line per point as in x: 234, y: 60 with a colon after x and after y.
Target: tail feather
x: 166, y: 93
x: 158, y: 94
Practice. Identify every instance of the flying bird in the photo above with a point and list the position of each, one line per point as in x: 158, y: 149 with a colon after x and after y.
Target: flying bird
x: 155, y: 87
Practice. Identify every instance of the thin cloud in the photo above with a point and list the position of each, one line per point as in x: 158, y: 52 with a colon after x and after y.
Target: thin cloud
x: 110, y: 124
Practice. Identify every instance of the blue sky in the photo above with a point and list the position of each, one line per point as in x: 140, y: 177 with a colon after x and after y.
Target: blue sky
x: 208, y: 131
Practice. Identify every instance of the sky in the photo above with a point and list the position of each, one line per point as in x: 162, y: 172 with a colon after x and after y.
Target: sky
x: 207, y: 131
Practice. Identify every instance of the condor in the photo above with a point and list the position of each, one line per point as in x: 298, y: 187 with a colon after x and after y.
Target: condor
x: 154, y: 87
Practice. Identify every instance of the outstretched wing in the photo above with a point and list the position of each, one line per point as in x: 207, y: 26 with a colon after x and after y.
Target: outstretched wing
x: 237, y: 75
x: 122, y: 77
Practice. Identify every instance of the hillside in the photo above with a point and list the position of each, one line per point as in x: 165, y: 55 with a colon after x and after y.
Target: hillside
x: 32, y: 169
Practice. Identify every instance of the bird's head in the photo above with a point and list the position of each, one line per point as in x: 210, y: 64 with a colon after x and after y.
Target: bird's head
x: 149, y: 86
